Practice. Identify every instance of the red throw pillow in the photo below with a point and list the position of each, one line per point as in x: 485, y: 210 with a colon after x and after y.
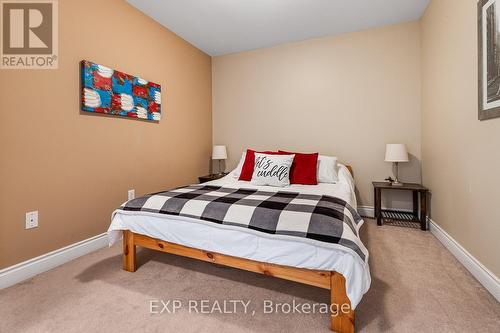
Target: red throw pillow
x: 304, y: 168
x: 249, y: 164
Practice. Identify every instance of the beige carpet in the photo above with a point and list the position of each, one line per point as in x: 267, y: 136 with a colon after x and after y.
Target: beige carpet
x: 417, y: 286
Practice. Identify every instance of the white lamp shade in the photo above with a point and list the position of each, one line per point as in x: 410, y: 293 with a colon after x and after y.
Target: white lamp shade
x: 219, y: 153
x: 396, y: 152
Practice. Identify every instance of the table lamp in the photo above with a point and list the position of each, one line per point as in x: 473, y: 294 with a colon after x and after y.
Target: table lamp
x: 219, y: 153
x: 396, y: 152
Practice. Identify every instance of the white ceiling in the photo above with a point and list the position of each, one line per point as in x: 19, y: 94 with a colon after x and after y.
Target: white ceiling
x: 228, y: 26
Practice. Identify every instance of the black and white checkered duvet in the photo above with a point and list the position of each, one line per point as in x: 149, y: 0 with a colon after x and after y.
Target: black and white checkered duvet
x: 318, y: 217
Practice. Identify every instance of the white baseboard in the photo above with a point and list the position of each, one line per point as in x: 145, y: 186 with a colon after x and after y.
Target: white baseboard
x: 489, y: 280
x: 369, y: 211
x: 29, y: 268
x: 366, y: 211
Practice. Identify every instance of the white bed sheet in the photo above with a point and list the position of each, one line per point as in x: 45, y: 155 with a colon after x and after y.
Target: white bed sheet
x: 254, y: 245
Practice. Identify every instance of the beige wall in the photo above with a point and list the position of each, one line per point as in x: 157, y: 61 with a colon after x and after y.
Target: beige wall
x: 345, y: 95
x: 461, y: 155
x: 75, y: 168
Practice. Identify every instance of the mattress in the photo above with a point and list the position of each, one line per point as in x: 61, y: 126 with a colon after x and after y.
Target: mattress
x: 252, y: 244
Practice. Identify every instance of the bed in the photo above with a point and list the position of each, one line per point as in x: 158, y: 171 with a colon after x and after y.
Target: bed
x: 342, y: 269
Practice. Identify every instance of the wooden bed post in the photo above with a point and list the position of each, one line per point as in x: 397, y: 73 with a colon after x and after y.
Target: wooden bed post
x: 128, y: 251
x: 342, y: 314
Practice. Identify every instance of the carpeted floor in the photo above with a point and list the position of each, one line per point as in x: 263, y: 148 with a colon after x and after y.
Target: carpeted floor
x: 417, y: 286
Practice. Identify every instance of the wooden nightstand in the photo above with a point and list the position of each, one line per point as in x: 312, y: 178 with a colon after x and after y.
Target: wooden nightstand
x: 407, y: 218
x: 207, y: 178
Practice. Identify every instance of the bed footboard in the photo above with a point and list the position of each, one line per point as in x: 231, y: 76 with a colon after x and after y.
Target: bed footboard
x: 342, y: 314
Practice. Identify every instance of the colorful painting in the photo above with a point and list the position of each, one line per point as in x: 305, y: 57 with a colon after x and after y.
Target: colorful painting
x: 112, y: 92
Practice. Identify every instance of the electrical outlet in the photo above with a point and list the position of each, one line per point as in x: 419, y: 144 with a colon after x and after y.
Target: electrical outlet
x: 31, y: 220
x: 131, y: 194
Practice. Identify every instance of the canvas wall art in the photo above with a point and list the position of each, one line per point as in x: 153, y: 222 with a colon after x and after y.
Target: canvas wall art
x: 112, y: 92
x: 489, y: 59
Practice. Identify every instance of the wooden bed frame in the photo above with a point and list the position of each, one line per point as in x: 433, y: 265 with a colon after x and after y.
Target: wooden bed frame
x: 342, y: 314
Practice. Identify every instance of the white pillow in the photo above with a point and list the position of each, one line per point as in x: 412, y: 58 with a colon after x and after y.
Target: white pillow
x: 273, y: 170
x: 327, y: 169
x: 237, y: 171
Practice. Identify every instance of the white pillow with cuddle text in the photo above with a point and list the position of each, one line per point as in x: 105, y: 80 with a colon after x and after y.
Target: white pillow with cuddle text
x: 273, y: 170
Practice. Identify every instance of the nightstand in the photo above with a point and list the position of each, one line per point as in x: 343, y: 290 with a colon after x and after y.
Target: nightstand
x: 417, y: 216
x: 207, y: 178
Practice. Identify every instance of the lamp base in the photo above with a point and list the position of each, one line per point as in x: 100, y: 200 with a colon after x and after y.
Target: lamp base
x: 396, y: 181
x: 221, y: 171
